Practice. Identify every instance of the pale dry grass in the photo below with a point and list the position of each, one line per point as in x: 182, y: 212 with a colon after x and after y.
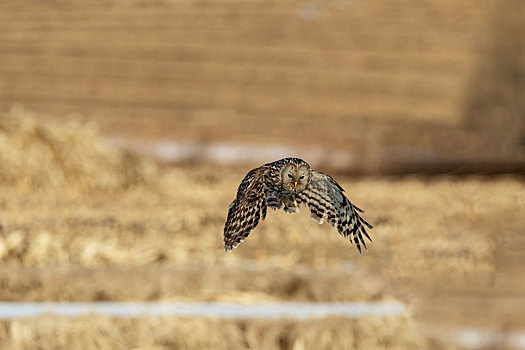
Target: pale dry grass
x: 99, y: 332
x: 418, y: 224
x: 36, y: 152
x: 438, y: 226
x: 160, y: 238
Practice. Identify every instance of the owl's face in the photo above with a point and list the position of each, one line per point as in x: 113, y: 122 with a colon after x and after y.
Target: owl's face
x: 295, y: 177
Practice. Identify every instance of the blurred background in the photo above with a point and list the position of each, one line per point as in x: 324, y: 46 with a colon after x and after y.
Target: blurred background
x: 127, y: 126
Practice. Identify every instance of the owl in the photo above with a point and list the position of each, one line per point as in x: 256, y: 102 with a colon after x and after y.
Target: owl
x: 290, y: 183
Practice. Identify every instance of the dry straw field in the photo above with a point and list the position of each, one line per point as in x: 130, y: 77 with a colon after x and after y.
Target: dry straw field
x: 387, y: 82
x: 82, y: 221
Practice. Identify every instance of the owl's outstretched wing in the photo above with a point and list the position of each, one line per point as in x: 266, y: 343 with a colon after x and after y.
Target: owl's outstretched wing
x: 326, y: 201
x: 246, y: 209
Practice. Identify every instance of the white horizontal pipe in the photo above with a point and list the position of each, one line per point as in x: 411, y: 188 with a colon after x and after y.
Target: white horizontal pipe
x: 11, y: 310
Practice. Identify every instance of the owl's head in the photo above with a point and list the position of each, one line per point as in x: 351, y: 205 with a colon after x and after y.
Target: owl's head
x: 295, y: 177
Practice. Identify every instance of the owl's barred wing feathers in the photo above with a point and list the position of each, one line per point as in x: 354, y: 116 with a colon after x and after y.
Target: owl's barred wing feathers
x: 246, y: 209
x: 326, y: 201
x: 292, y: 182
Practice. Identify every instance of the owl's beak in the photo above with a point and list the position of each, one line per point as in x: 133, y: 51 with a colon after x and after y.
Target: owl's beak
x: 295, y: 185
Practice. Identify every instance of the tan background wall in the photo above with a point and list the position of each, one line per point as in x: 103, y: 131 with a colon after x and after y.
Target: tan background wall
x: 403, y: 81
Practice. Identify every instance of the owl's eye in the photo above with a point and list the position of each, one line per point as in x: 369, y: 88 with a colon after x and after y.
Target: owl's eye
x: 290, y: 176
x: 301, y: 177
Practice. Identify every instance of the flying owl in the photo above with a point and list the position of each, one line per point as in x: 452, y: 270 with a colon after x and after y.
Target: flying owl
x: 290, y: 183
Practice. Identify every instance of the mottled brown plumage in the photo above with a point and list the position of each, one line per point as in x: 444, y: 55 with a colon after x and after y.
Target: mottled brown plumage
x: 291, y: 183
